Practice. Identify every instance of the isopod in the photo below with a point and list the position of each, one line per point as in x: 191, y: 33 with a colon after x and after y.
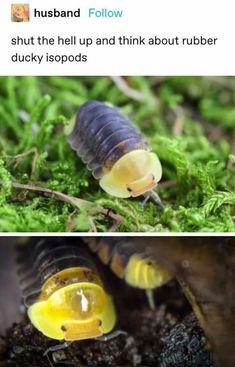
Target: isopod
x: 130, y: 261
x: 115, y: 151
x: 64, y: 295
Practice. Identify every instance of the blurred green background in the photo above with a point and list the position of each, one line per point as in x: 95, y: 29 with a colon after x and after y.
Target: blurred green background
x: 189, y: 121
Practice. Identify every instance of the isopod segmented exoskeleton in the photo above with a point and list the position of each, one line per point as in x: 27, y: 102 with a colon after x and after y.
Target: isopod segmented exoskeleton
x: 115, y: 151
x: 64, y: 295
x: 130, y: 261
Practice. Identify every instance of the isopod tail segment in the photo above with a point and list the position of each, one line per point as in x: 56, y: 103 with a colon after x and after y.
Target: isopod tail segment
x: 114, y: 150
x: 131, y: 261
x: 63, y: 292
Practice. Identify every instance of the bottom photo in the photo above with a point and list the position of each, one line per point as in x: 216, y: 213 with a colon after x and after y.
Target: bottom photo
x: 117, y: 301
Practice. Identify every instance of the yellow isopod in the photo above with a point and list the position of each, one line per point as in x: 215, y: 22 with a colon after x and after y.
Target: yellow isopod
x: 130, y: 262
x: 65, y: 296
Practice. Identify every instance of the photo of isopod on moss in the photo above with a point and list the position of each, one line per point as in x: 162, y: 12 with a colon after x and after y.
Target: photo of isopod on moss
x: 117, y: 154
x: 117, y: 301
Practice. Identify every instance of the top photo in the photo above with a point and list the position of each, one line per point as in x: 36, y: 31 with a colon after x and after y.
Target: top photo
x: 117, y: 154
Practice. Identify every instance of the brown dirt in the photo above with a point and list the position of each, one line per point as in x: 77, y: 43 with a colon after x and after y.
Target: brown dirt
x: 166, y: 337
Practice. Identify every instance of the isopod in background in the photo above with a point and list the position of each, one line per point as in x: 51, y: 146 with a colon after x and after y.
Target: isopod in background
x: 131, y: 262
x: 115, y: 151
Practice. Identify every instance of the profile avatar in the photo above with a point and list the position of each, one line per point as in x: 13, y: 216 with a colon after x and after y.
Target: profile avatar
x: 20, y: 12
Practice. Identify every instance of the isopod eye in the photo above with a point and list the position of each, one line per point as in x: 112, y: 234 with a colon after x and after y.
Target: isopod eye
x: 128, y: 189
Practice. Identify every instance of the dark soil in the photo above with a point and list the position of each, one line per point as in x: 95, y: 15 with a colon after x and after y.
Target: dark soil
x: 169, y: 336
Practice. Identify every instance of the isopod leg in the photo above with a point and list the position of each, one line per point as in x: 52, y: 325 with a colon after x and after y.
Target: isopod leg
x: 155, y: 197
x: 146, y: 199
x: 150, y: 297
x: 110, y: 336
x: 56, y: 347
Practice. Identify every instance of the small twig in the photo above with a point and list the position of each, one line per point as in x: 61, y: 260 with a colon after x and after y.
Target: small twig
x: 224, y: 82
x: 179, y: 121
x: 116, y: 224
x: 21, y: 156
x: 35, y: 158
x: 52, y: 193
x: 128, y: 91
x: 108, y: 213
x: 93, y: 227
x: 230, y: 162
x: 132, y: 93
x: 79, y: 203
x: 167, y: 184
x: 213, y: 132
x: 158, y: 80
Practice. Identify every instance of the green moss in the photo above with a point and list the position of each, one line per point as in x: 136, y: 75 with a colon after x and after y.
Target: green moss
x: 189, y: 121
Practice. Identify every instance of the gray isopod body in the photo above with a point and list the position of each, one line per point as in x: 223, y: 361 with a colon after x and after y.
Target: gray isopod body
x: 114, y: 150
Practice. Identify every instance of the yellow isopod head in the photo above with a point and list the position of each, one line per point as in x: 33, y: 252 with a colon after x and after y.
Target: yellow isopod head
x: 146, y: 273
x: 77, y: 311
x: 133, y: 174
